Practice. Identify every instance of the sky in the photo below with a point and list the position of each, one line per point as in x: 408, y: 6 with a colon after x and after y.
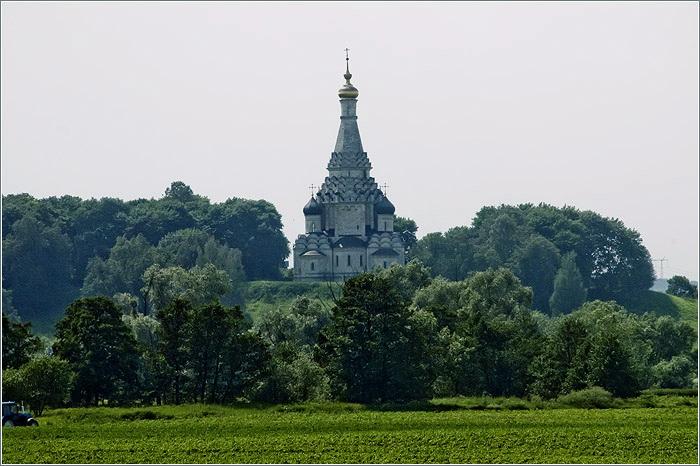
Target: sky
x: 461, y: 105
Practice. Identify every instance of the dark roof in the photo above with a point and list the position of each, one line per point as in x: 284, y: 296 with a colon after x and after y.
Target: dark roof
x: 384, y: 206
x: 349, y: 242
x: 312, y: 207
x: 385, y: 252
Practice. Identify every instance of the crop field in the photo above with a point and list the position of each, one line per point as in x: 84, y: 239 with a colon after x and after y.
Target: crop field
x: 346, y: 433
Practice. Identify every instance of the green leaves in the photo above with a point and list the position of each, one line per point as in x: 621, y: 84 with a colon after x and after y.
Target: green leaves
x: 100, y: 348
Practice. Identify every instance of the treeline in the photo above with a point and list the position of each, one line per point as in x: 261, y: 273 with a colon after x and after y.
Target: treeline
x: 55, y: 247
x: 565, y: 255
x: 392, y: 335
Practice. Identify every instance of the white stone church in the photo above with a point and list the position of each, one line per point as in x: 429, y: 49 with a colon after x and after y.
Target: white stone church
x: 349, y: 221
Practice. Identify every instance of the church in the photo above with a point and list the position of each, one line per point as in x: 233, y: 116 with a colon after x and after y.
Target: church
x: 349, y: 220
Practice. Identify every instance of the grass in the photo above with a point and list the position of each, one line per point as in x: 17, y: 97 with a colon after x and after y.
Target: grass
x: 263, y: 294
x: 351, y: 433
x: 657, y: 303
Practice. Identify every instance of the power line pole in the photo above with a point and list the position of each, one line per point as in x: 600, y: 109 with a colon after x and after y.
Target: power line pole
x: 661, y: 266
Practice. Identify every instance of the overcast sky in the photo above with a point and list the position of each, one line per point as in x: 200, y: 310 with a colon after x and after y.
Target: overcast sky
x: 461, y: 105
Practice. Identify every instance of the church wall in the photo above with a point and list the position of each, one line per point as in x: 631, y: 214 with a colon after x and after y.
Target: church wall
x: 356, y: 265
x: 349, y: 219
x: 313, y: 267
x: 384, y: 262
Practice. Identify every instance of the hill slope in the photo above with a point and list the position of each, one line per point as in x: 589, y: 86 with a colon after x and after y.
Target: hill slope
x: 262, y: 294
x: 665, y: 304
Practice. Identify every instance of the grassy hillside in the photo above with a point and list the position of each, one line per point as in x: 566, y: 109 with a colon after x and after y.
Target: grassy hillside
x: 264, y: 294
x: 665, y: 304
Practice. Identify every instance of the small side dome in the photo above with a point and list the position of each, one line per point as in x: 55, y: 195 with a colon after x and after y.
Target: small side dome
x: 312, y: 207
x: 384, y: 206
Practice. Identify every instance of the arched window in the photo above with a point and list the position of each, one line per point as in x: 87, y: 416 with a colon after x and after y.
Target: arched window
x: 384, y: 226
x: 336, y: 260
x: 385, y: 264
x: 313, y: 226
x: 360, y: 261
x: 348, y: 260
x: 312, y: 266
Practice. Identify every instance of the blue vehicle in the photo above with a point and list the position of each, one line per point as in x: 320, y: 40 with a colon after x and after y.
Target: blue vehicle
x: 15, y: 416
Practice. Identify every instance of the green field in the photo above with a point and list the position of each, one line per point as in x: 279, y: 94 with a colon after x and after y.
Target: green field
x: 334, y: 432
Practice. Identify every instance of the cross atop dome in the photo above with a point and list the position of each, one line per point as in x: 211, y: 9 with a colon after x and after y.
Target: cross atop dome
x: 348, y: 91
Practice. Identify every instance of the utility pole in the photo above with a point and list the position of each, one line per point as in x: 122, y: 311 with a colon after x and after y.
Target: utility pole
x: 661, y: 266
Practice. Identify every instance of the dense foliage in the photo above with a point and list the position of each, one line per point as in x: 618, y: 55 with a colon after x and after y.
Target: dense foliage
x: 54, y: 247
x: 100, y: 349
x: 18, y: 343
x: 532, y: 241
x: 393, y: 335
x: 680, y: 286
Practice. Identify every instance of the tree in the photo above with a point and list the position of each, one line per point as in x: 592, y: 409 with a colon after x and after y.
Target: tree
x: 37, y: 268
x: 442, y: 299
x: 495, y: 319
x: 407, y: 279
x: 18, y: 343
x: 616, y: 354
x: 407, y: 228
x: 247, y: 362
x: 210, y: 332
x: 671, y: 338
x: 620, y: 265
x: 374, y: 349
x: 537, y: 264
x: 43, y: 381
x: 153, y: 219
x: 180, y: 191
x: 611, y: 258
x: 677, y: 372
x: 562, y: 367
x: 199, y: 285
x: 122, y: 271
x: 101, y: 351
x: 293, y: 376
x: 174, y: 324
x: 291, y: 332
x: 450, y: 255
x: 254, y: 228
x: 94, y: 228
x: 299, y: 323
x: 192, y: 247
x: 569, y: 292
x: 679, y: 285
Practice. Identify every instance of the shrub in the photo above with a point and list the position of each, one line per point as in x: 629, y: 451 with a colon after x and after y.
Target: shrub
x: 589, y: 398
x: 42, y: 381
x: 693, y: 392
x: 144, y: 416
x: 677, y: 372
